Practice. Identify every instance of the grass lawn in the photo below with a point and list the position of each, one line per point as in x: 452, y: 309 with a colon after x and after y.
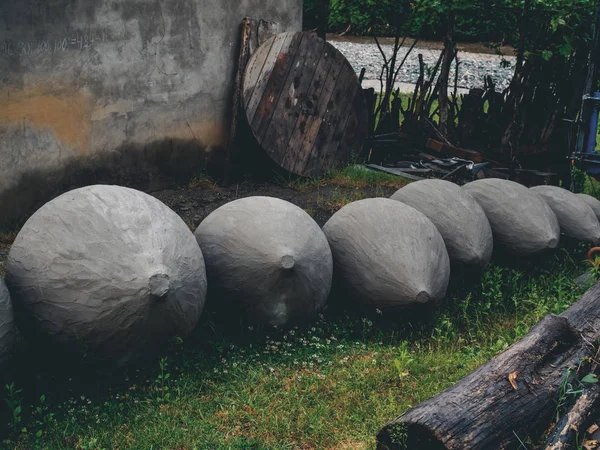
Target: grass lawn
x: 328, y: 384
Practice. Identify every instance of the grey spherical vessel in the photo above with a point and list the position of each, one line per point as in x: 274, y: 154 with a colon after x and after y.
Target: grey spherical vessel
x: 7, y: 324
x: 457, y: 216
x: 522, y: 223
x: 592, y: 202
x: 108, y: 271
x: 267, y: 258
x: 387, y: 254
x: 575, y: 217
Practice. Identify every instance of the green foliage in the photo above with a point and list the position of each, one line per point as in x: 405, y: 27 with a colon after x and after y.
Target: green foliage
x: 353, y: 176
x: 475, y: 20
x: 482, y: 20
x: 14, y: 403
x: 162, y: 383
x: 365, y: 16
x: 585, y: 183
x: 571, y: 388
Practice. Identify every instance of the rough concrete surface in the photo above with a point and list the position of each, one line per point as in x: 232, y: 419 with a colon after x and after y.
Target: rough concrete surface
x: 592, y: 202
x: 268, y: 258
x: 7, y: 324
x: 575, y: 217
x: 522, y: 223
x: 387, y: 254
x: 457, y: 216
x: 108, y: 271
x: 120, y: 87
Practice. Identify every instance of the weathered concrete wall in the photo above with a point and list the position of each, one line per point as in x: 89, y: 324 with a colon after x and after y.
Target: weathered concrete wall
x: 121, y: 89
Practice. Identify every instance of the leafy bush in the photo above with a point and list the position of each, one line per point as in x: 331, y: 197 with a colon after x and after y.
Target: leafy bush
x: 365, y: 16
x: 482, y: 20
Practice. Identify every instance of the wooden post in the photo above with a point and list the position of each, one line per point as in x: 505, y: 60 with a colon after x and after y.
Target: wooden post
x: 243, y: 58
x: 449, y: 54
x: 323, y: 19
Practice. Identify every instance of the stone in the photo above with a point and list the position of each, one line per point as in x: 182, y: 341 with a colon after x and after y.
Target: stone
x: 457, y: 216
x: 387, y: 255
x: 592, y: 202
x: 575, y: 217
x: 7, y: 325
x: 108, y: 271
x: 522, y: 223
x: 267, y: 260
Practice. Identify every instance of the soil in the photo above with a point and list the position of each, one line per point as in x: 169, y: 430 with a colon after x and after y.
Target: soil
x: 321, y: 201
x: 197, y: 200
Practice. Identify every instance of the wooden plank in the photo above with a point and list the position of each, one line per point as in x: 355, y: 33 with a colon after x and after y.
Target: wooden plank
x: 258, y: 72
x: 356, y: 126
x: 307, y: 131
x: 266, y: 30
x: 295, y: 98
x: 331, y: 131
x: 255, y: 66
x: 314, y: 102
x: 246, y: 32
x: 277, y: 81
x: 261, y: 32
x: 277, y: 135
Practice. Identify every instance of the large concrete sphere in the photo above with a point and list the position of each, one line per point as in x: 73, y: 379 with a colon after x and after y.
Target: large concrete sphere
x: 522, y: 223
x: 592, y: 202
x: 575, y: 217
x: 267, y: 257
x: 457, y: 216
x: 106, y: 270
x: 7, y: 324
x: 387, y: 254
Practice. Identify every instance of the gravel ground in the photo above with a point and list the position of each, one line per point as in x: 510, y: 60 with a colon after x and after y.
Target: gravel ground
x: 472, y: 68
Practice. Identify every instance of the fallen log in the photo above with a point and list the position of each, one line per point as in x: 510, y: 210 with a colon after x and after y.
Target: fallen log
x: 509, y: 398
x: 573, y: 424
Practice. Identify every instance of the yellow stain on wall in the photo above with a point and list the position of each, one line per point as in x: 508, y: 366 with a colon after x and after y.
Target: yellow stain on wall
x: 66, y: 114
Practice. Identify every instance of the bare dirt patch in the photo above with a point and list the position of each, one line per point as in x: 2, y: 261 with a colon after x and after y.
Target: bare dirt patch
x: 321, y: 201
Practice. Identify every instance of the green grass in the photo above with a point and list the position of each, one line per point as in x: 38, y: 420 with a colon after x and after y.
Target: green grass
x: 353, y: 177
x: 329, y: 384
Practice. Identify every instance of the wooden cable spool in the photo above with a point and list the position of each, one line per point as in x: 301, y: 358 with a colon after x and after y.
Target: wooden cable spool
x: 304, y: 104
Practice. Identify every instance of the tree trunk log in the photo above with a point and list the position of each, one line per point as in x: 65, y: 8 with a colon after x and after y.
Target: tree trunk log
x: 573, y: 424
x: 449, y: 54
x: 484, y: 410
